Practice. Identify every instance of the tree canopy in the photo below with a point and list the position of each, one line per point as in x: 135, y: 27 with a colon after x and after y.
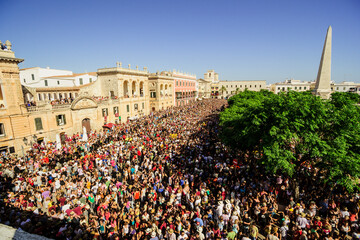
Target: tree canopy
x: 289, y: 131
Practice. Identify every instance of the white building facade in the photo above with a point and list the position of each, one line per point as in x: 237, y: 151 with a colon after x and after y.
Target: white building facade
x: 45, y: 77
x: 291, y: 85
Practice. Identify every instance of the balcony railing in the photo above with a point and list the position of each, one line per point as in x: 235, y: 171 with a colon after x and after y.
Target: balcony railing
x: 61, y: 106
x: 38, y: 108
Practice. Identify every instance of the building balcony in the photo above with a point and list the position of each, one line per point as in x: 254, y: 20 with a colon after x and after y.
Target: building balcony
x: 38, y: 108
x: 61, y: 106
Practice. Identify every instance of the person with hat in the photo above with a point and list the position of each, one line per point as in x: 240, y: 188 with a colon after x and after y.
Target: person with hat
x: 153, y: 236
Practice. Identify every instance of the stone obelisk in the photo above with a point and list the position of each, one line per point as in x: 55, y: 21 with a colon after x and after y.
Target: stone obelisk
x: 323, y: 80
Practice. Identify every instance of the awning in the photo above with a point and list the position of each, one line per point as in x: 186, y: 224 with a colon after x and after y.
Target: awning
x: 133, y: 118
x: 109, y: 125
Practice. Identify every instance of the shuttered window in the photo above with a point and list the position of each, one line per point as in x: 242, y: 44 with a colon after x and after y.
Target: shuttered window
x: 2, y: 129
x: 60, y: 120
x: 38, y: 124
x: 105, y: 112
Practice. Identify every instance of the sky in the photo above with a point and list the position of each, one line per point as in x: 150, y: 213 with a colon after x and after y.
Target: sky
x: 270, y: 40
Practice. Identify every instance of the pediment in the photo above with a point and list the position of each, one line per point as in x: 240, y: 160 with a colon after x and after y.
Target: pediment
x: 83, y: 103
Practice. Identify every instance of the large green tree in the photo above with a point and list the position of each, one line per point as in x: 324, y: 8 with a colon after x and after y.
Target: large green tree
x: 284, y: 132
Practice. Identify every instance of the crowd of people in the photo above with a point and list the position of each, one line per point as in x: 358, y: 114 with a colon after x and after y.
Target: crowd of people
x: 30, y: 103
x: 61, y: 101
x: 165, y: 176
x: 52, y: 102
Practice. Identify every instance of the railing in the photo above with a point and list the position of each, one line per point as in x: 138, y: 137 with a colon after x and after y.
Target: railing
x: 61, y: 106
x: 188, y: 98
x: 37, y: 108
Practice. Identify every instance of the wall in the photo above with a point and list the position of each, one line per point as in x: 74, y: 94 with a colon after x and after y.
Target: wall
x: 38, y: 74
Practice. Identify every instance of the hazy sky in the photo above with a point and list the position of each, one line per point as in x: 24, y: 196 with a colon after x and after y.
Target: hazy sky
x: 241, y: 39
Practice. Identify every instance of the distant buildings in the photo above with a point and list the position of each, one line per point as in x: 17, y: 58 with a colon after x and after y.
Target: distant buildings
x: 301, y: 86
x: 185, y: 88
x: 37, y: 104
x: 344, y: 86
x: 291, y: 85
x: 212, y: 87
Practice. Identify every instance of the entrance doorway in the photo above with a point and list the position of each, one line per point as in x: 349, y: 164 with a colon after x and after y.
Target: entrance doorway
x: 40, y: 140
x: 86, y: 124
x: 4, y: 150
x: 62, y: 137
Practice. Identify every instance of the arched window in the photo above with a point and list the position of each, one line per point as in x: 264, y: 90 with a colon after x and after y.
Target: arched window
x: 133, y: 89
x: 166, y: 89
x: 161, y: 90
x: 126, y: 89
x: 141, y: 89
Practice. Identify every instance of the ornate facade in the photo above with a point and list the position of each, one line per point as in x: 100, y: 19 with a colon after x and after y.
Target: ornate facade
x: 119, y: 94
x: 161, y: 87
x: 185, y: 88
x: 212, y: 87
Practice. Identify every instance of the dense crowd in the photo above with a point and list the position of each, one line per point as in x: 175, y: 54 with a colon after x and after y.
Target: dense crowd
x: 166, y: 176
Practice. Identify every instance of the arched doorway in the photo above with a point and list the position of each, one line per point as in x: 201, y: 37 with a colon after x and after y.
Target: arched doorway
x: 62, y: 137
x: 86, y: 124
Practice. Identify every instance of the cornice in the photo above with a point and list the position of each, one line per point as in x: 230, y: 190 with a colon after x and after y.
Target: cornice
x: 9, y: 59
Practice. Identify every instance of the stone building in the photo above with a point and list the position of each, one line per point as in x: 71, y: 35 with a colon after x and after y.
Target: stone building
x: 226, y: 89
x: 14, y: 125
x: 185, y: 88
x: 344, y: 86
x: 210, y: 77
x: 128, y: 86
x: 292, y: 85
x: 212, y: 87
x: 301, y: 86
x: 119, y: 94
x: 161, y: 87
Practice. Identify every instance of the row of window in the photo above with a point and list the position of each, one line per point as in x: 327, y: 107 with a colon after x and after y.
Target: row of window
x: 290, y: 88
x: 250, y: 86
x: 105, y: 111
x: 33, y: 78
x: 81, y: 81
x: 60, y: 120
x: 184, y: 84
x: 55, y: 96
x: 296, y: 88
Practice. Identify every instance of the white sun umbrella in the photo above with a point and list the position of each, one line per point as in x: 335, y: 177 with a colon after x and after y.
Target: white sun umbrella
x: 85, y: 136
x: 58, y: 142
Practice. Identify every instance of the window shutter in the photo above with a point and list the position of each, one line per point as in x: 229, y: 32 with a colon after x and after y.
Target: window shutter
x: 38, y: 124
x: 64, y: 119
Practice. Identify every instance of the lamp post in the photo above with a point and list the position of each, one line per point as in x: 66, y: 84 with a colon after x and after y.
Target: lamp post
x: 25, y: 141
